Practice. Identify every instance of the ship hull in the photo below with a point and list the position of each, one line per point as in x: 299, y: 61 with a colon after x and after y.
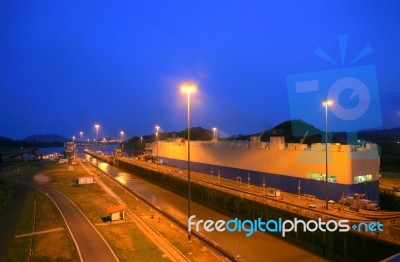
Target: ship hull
x: 286, y: 183
x: 296, y: 168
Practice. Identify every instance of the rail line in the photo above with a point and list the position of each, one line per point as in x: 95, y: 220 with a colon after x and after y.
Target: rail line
x: 353, y: 217
x: 237, y: 191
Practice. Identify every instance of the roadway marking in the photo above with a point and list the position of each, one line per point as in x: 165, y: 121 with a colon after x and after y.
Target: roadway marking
x: 40, y: 232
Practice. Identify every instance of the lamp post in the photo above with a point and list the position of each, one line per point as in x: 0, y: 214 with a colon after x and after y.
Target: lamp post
x: 141, y: 145
x: 188, y: 88
x: 326, y: 103
x: 214, y: 130
x: 157, y: 127
x: 81, y: 134
x: 97, y: 126
x: 97, y: 132
x: 73, y: 139
x: 122, y: 135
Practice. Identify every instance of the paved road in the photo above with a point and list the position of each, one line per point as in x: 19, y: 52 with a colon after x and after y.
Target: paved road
x: 91, y: 245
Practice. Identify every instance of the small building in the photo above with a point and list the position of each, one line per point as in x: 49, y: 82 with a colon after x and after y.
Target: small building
x: 70, y: 151
x: 117, y: 212
x: 85, y: 180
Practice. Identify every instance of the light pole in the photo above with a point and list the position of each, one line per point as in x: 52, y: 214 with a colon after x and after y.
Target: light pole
x: 97, y: 126
x: 188, y: 88
x: 122, y: 135
x: 141, y: 145
x: 73, y: 139
x: 214, y: 130
x: 157, y: 127
x: 81, y: 134
x: 326, y: 103
x: 97, y: 132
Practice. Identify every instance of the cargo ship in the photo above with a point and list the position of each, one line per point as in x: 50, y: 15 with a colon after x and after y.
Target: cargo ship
x: 293, y: 167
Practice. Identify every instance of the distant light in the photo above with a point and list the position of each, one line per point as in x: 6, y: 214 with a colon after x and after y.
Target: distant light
x: 398, y: 142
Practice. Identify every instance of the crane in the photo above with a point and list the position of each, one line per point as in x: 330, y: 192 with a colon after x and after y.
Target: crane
x: 304, y: 137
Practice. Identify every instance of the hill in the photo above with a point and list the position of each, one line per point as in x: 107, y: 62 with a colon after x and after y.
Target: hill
x: 33, y: 141
x: 49, y: 138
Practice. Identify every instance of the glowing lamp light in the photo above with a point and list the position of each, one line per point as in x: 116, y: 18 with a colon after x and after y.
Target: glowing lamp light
x: 188, y: 88
x: 327, y: 103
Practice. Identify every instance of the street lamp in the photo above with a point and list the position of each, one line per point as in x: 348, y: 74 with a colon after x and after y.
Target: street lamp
x: 97, y: 126
x: 81, y: 134
x: 97, y: 132
x: 157, y: 127
x: 73, y: 138
x: 188, y: 88
x: 326, y: 103
x: 122, y: 135
x: 141, y: 145
x: 214, y: 130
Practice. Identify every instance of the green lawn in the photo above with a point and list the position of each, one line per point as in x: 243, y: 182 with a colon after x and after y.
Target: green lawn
x: 126, y: 240
x: 53, y: 246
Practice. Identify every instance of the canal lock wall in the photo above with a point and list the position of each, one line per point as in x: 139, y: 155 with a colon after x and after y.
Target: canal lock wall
x: 336, y: 246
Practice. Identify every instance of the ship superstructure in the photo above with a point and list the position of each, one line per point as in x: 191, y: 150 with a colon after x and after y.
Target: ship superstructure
x: 294, y: 167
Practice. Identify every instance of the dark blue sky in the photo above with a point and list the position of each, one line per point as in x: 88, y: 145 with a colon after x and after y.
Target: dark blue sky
x: 66, y: 65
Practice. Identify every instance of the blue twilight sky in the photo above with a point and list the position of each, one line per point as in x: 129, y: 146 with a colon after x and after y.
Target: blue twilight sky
x: 66, y: 65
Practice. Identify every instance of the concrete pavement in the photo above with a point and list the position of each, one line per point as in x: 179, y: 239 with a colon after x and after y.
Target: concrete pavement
x: 91, y: 245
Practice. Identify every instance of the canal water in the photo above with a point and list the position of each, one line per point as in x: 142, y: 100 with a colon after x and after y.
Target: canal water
x: 106, y: 149
x: 257, y: 247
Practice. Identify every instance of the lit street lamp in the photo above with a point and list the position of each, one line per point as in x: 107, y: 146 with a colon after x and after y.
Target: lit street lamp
x: 122, y: 135
x: 73, y: 138
x: 141, y: 145
x: 97, y: 126
x: 214, y: 130
x: 326, y: 103
x: 157, y: 127
x: 97, y: 132
x: 188, y: 88
x: 81, y: 134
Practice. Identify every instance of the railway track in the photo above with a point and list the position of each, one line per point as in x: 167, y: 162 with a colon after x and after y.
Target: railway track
x: 242, y: 190
x: 211, y: 182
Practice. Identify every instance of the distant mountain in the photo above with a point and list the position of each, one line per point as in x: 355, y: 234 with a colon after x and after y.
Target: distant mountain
x: 381, y: 136
x: 50, y: 138
x: 285, y: 129
x: 2, y: 138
